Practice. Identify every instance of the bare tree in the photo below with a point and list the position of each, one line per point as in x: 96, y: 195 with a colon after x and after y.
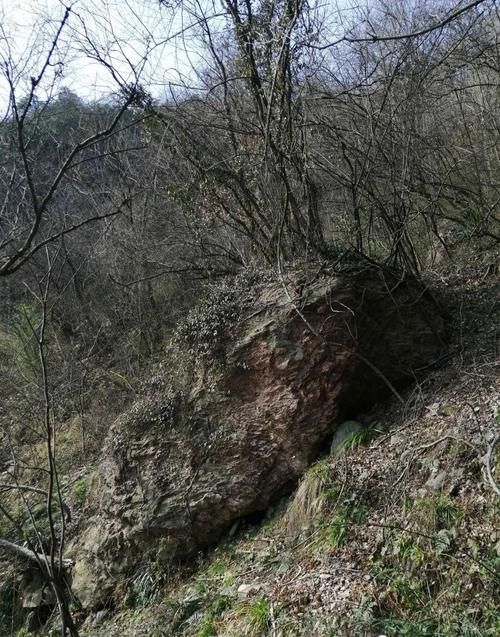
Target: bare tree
x: 28, y: 194
x: 281, y: 131
x: 45, y: 551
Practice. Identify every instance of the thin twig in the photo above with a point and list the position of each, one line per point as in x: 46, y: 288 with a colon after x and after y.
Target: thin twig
x: 487, y: 464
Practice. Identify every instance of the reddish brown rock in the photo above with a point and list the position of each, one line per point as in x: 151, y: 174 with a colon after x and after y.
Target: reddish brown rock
x: 252, y: 411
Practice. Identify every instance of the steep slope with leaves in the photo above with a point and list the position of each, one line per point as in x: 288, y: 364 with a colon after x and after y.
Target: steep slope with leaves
x: 395, y: 532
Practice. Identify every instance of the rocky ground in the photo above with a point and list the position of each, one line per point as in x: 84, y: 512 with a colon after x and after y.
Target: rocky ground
x: 395, y: 532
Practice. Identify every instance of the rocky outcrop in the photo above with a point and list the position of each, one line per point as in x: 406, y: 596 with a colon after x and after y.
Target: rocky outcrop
x: 227, y: 427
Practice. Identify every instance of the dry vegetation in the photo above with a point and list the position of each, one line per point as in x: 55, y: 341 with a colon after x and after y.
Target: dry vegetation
x: 286, y: 147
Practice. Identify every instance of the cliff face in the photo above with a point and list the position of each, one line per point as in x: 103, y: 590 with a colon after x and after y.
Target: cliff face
x: 252, y: 413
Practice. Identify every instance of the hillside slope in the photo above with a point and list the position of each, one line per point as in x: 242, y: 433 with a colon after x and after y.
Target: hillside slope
x: 396, y: 532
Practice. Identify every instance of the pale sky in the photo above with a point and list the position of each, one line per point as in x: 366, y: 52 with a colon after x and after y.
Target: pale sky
x: 123, y: 30
x: 125, y: 33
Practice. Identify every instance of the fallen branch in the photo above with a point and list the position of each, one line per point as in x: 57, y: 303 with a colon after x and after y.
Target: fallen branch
x: 27, y: 487
x: 31, y: 556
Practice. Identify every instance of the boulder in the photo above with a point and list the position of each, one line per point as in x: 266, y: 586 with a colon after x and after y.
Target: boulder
x: 227, y: 427
x: 343, y: 433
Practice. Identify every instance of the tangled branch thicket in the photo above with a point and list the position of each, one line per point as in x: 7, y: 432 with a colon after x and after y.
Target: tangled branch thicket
x: 388, y: 147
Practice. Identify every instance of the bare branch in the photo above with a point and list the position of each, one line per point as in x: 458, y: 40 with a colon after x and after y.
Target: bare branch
x: 372, y: 37
x: 31, y: 556
x: 487, y: 464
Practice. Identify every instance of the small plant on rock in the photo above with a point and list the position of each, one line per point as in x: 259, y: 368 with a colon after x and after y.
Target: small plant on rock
x: 80, y: 491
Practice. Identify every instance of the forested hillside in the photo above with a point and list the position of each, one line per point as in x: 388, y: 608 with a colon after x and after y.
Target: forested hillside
x: 201, y: 285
